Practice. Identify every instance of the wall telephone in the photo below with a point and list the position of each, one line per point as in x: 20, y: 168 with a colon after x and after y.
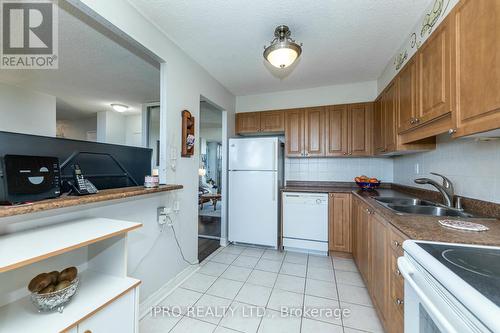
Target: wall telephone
x: 79, y: 185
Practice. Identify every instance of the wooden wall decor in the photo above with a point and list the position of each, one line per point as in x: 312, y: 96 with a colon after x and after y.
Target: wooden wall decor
x: 188, y: 137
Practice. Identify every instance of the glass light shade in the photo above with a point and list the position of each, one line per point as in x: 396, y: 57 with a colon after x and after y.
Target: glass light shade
x: 282, y: 57
x: 119, y: 107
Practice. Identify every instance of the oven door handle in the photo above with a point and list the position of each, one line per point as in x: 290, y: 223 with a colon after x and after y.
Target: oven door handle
x: 408, y: 271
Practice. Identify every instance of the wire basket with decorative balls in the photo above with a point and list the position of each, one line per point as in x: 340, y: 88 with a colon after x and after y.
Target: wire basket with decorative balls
x: 52, y: 291
x: 367, y: 183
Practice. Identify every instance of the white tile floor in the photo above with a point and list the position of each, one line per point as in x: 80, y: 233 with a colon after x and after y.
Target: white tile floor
x: 246, y: 289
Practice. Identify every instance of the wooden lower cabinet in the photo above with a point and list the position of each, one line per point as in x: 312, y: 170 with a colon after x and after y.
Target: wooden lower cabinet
x: 361, y: 229
x: 339, y: 225
x: 379, y: 263
x: 376, y: 247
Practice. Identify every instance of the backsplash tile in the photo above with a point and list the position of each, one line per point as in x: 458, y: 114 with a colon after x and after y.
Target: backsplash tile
x: 338, y: 169
x: 473, y: 166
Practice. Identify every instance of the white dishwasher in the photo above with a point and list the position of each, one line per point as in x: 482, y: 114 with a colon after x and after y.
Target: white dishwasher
x: 305, y: 222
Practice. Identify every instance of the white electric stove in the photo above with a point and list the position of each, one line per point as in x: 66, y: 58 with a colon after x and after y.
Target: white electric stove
x: 451, y: 288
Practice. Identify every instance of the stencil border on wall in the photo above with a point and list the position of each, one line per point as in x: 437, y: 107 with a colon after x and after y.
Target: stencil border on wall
x: 433, y: 16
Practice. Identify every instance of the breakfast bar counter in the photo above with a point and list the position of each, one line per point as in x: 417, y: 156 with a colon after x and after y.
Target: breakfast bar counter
x: 70, y: 201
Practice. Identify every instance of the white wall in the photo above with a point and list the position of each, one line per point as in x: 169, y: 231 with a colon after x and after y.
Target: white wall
x: 133, y: 130
x: 211, y: 134
x: 328, y: 95
x: 185, y: 81
x: 28, y: 112
x: 76, y: 128
x: 472, y: 166
x: 338, y: 169
x: 118, y: 128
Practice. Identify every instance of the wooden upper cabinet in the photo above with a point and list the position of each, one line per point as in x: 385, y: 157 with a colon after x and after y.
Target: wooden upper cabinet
x: 336, y: 130
x: 247, y: 122
x: 390, y: 106
x: 339, y: 238
x: 477, y: 66
x: 314, y: 131
x: 272, y: 121
x: 378, y: 126
x: 434, y: 66
x: 407, y: 96
x: 360, y: 129
x: 260, y: 122
x: 294, y: 133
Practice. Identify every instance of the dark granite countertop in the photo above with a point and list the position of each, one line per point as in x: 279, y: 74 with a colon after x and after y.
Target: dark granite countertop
x: 419, y: 227
x: 69, y: 201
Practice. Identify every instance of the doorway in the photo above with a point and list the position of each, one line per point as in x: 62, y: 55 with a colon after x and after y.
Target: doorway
x: 210, y: 174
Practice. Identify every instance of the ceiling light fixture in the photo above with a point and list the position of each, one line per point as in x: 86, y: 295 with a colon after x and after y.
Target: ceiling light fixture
x: 283, y: 50
x: 119, y: 107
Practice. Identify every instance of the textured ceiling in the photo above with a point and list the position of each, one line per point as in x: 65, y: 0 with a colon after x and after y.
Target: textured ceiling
x: 345, y: 41
x: 95, y: 70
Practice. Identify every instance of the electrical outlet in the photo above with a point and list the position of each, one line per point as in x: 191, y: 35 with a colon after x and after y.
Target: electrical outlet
x: 161, y: 217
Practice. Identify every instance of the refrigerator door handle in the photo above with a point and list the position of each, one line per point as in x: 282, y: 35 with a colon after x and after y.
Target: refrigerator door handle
x: 275, y: 155
x: 274, y: 186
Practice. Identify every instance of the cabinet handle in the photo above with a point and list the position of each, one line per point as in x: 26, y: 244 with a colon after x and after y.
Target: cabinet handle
x: 412, y: 121
x: 350, y: 153
x: 398, y: 273
x: 345, y: 153
x: 399, y: 301
x: 417, y: 120
x: 452, y: 131
x: 397, y: 244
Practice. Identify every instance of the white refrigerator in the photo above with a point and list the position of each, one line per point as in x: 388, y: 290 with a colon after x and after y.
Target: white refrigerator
x: 255, y: 179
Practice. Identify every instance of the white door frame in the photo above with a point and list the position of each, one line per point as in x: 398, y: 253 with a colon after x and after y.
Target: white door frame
x: 224, y: 180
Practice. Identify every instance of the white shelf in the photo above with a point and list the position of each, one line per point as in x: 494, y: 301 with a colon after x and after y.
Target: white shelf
x: 94, y: 291
x: 27, y: 247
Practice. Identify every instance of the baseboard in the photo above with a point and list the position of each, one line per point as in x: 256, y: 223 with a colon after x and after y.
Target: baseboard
x: 165, y: 290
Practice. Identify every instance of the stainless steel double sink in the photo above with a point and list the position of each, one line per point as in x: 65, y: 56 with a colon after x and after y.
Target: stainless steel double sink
x: 414, y: 206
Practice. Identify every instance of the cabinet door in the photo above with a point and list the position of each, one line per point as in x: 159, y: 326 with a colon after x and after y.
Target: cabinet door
x: 339, y: 206
x: 379, y: 249
x: 336, y: 130
x: 477, y: 66
x: 314, y: 131
x: 272, y: 121
x: 118, y: 316
x: 360, y: 129
x: 354, y: 226
x: 378, y: 126
x: 248, y: 122
x: 407, y: 96
x: 434, y: 74
x: 390, y: 103
x: 363, y: 240
x: 294, y: 132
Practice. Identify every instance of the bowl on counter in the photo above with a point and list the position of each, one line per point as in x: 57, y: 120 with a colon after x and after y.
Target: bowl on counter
x: 368, y: 186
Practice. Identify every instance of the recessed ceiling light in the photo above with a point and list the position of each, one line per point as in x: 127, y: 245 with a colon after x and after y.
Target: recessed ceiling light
x: 283, y: 50
x: 119, y: 107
